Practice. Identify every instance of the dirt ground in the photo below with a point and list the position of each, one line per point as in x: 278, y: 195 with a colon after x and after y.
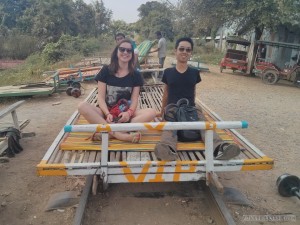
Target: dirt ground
x: 273, y: 114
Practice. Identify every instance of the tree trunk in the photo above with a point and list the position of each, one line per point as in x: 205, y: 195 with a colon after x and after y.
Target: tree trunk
x: 253, y: 49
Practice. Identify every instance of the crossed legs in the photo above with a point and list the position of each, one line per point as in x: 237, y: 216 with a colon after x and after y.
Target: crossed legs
x: 94, y: 115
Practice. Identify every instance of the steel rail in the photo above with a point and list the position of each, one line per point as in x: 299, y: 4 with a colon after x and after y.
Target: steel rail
x: 221, y: 213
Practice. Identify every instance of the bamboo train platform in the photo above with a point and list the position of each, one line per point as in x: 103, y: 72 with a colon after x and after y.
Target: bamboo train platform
x: 73, y: 153
x: 76, y: 74
x: 30, y: 89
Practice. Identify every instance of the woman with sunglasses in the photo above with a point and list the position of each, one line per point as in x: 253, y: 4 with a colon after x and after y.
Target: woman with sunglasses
x: 118, y: 92
x: 180, y: 82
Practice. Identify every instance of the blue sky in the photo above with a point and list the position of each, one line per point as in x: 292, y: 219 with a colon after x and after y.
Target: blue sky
x: 125, y: 9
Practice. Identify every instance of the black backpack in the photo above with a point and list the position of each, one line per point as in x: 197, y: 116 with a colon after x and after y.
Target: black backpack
x: 183, y: 112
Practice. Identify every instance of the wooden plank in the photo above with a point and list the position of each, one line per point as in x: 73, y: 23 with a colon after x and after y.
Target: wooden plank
x: 192, y: 156
x: 98, y: 157
x: 54, y: 155
x: 145, y: 156
x: 92, y: 156
x: 73, y: 158
x: 199, y: 155
x: 67, y: 157
x: 153, y: 156
x: 58, y: 157
x: 185, y: 155
x: 180, y: 156
x: 10, y: 108
x: 133, y: 156
x: 81, y: 155
x: 118, y: 156
x: 22, y: 90
x: 129, y: 146
x: 124, y: 156
x: 15, y: 119
x: 112, y: 156
x: 86, y: 156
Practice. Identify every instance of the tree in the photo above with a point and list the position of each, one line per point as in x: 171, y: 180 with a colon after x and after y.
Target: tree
x: 245, y: 15
x: 102, y: 18
x: 119, y: 26
x: 49, y: 19
x: 11, y: 10
x: 53, y: 18
x: 85, y: 17
x: 155, y: 16
x: 197, y: 18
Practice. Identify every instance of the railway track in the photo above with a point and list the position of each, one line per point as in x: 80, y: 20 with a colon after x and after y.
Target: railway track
x: 217, y: 210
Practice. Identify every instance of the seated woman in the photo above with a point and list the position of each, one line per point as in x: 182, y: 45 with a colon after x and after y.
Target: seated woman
x: 118, y: 92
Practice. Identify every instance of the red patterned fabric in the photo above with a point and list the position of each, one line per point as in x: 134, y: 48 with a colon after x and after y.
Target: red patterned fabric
x: 121, y: 106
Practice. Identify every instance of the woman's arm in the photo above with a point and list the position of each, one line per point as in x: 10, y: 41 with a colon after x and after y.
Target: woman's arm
x: 125, y: 116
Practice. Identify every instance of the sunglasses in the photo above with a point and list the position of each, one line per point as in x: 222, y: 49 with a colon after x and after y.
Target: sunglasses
x: 128, y: 50
x: 187, y: 50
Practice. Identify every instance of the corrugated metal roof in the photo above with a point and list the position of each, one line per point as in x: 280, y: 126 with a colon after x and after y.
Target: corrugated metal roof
x: 237, y: 40
x: 280, y: 44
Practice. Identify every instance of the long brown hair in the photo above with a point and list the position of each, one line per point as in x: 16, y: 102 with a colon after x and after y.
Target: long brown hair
x: 114, y: 61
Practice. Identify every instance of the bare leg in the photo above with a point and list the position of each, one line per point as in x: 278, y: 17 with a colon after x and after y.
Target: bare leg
x: 94, y: 115
x: 143, y: 115
x: 140, y: 116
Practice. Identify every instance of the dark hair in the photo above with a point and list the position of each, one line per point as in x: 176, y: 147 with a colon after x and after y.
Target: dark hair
x: 187, y: 39
x: 158, y: 33
x: 119, y: 34
x: 114, y: 61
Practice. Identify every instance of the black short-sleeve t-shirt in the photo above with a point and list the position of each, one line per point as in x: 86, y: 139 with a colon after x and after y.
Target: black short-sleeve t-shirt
x: 118, y: 87
x: 181, y: 85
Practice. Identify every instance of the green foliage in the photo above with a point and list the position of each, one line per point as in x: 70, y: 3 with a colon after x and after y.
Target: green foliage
x: 84, y: 18
x: 72, y: 49
x: 102, y: 18
x: 243, y: 15
x: 155, y: 16
x: 196, y: 18
x: 10, y: 11
x: 120, y: 26
x: 16, y: 46
x: 66, y: 47
x: 207, y: 54
x: 30, y: 71
x: 48, y: 20
x: 52, y: 53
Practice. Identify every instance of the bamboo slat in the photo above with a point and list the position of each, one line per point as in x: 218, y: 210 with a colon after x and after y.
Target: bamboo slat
x: 77, y: 147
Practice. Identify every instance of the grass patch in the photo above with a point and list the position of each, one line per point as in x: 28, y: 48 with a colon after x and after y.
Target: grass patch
x: 208, y: 54
x: 213, y: 58
x: 34, y: 68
